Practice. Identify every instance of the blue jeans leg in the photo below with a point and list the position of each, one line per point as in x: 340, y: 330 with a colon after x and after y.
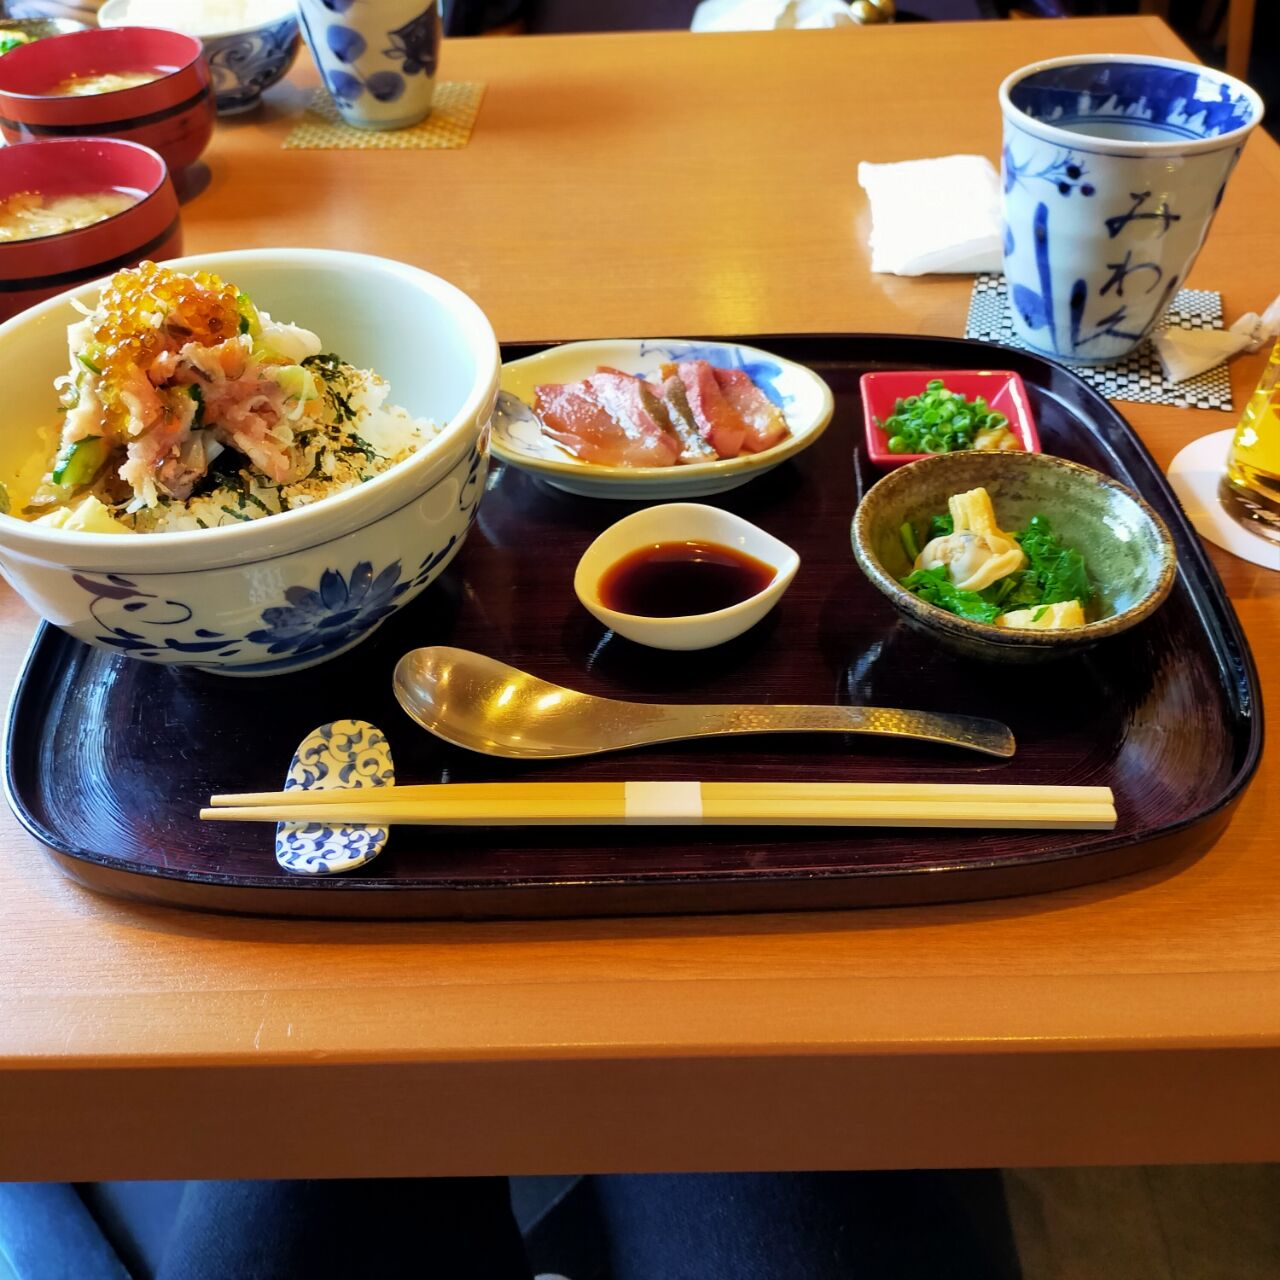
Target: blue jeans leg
x: 914, y: 1225
x: 375, y: 1229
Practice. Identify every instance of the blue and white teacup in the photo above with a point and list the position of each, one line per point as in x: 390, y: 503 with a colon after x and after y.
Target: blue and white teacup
x: 378, y: 57
x: 1113, y: 167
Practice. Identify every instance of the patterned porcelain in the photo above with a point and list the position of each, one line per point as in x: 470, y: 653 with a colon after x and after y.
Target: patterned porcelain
x: 246, y: 63
x: 803, y: 397
x: 1138, y: 376
x: 243, y: 62
x: 173, y: 115
x: 287, y: 591
x: 378, y: 57
x: 1113, y: 168
x: 342, y: 755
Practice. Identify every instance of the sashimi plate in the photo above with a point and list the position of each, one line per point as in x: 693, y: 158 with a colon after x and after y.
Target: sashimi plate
x: 802, y: 397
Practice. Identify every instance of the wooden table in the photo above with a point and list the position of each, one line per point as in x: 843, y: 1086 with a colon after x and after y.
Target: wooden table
x: 646, y: 184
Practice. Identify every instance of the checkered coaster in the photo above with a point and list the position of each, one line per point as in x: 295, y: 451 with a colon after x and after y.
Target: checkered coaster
x: 1138, y: 376
x: 454, y: 108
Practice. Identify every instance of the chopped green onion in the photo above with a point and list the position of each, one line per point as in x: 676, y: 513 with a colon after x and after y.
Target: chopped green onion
x: 938, y: 421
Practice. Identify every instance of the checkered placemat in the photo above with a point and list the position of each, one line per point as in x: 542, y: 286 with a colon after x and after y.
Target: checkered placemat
x: 453, y: 113
x: 1139, y: 375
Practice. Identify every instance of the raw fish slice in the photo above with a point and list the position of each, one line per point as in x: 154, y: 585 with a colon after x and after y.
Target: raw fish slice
x: 572, y: 415
x: 669, y: 407
x: 718, y: 422
x: 693, y: 447
x: 765, y: 425
x: 632, y: 403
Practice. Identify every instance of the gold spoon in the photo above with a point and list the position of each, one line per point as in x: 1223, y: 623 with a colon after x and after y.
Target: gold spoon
x: 484, y: 705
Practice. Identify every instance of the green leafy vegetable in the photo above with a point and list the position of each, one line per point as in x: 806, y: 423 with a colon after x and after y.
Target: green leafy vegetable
x: 1059, y: 570
x: 4, y: 500
x: 1054, y: 573
x: 909, y: 544
x: 937, y: 588
x: 88, y: 364
x: 938, y: 421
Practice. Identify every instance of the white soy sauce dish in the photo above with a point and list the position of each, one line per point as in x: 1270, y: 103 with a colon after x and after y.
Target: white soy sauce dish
x: 342, y: 754
x: 687, y: 523
x: 800, y: 395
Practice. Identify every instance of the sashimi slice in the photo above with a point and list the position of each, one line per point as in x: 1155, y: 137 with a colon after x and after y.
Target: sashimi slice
x: 632, y: 404
x: 603, y: 421
x: 717, y: 421
x: 672, y: 414
x: 765, y: 425
x: 693, y: 447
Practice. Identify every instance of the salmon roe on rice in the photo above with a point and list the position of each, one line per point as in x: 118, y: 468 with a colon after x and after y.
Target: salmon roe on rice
x: 151, y: 309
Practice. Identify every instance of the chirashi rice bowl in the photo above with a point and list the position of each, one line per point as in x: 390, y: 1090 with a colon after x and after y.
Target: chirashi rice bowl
x: 185, y: 407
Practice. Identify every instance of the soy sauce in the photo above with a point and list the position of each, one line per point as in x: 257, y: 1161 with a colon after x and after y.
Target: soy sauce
x: 677, y: 579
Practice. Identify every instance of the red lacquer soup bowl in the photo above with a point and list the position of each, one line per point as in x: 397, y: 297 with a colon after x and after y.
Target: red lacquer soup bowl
x: 31, y: 270
x: 172, y: 114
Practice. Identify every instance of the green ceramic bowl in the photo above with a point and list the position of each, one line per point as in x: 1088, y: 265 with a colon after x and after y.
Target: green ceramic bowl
x: 1126, y: 547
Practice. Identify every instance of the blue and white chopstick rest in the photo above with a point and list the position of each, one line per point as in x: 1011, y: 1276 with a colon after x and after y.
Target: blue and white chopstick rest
x: 343, y: 754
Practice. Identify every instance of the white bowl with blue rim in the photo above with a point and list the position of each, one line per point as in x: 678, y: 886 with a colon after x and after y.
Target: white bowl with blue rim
x: 803, y: 398
x: 285, y: 591
x: 1113, y: 167
x: 244, y: 59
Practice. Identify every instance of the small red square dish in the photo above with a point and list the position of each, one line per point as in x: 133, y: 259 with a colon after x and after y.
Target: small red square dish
x: 1002, y: 390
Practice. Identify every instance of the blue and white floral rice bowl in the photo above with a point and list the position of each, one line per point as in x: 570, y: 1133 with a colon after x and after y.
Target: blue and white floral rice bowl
x: 243, y: 61
x: 1113, y: 167
x: 285, y: 591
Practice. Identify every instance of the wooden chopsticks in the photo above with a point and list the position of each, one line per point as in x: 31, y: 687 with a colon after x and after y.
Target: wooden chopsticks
x: 518, y: 804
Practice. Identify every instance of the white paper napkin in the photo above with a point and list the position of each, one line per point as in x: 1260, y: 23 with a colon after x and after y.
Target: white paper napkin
x: 915, y: 230
x: 770, y: 15
x: 1259, y: 329
x: 1185, y: 352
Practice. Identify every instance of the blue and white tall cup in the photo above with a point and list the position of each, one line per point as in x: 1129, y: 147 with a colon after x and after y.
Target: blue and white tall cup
x: 1113, y: 167
x: 378, y: 57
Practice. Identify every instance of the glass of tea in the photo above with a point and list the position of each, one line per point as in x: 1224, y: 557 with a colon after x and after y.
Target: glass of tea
x: 1250, y: 490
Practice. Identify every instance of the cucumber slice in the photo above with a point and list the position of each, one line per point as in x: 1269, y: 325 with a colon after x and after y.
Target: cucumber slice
x: 78, y: 463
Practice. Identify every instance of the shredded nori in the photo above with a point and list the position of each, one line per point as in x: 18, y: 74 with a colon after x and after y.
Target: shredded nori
x: 332, y: 371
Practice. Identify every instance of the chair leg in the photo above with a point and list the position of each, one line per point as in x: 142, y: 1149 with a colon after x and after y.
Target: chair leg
x: 1240, y: 16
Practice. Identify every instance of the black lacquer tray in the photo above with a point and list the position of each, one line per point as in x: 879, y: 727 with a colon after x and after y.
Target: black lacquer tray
x: 109, y: 759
